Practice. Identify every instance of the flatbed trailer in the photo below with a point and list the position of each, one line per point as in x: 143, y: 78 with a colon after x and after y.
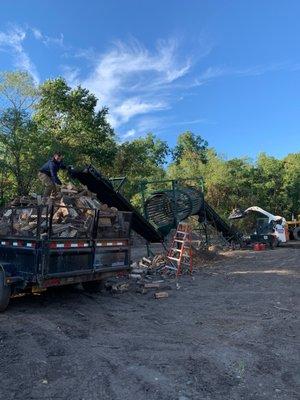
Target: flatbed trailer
x: 35, y: 262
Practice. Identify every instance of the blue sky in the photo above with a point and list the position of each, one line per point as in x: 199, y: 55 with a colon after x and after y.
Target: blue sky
x: 228, y: 70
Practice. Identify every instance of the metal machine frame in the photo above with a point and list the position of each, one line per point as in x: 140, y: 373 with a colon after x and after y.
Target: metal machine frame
x: 176, y: 185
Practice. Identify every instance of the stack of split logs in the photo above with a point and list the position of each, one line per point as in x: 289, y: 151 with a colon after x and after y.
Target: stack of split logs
x: 74, y: 213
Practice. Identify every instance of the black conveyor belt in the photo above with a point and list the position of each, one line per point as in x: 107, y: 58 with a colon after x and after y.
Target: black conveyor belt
x: 105, y: 192
x: 214, y: 219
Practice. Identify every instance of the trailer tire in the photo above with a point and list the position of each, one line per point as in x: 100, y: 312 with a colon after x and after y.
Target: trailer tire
x: 5, y: 292
x: 296, y: 233
x: 93, y: 286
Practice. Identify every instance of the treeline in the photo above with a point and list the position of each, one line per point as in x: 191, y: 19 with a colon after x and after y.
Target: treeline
x: 35, y: 121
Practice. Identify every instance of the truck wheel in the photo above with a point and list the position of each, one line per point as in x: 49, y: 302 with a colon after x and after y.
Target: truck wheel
x: 296, y: 233
x: 5, y: 292
x: 93, y: 286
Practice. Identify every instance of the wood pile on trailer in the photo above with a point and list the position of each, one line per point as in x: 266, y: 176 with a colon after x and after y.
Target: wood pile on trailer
x: 74, y: 213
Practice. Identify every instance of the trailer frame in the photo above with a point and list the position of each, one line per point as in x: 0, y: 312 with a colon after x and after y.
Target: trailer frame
x: 35, y: 263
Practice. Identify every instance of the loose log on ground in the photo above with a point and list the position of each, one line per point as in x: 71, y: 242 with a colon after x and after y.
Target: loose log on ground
x: 161, y: 295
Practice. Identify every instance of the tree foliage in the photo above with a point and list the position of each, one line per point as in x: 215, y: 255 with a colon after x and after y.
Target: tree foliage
x: 19, y: 151
x: 19, y: 139
x: 268, y: 182
x: 17, y: 91
x: 139, y: 160
x: 190, y: 145
x: 72, y: 124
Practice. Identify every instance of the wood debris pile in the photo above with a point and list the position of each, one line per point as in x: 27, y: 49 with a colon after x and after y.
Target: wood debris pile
x: 159, y: 264
x: 74, y: 212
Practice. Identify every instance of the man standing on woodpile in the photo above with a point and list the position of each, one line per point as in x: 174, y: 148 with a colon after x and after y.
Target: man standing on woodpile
x: 48, y: 174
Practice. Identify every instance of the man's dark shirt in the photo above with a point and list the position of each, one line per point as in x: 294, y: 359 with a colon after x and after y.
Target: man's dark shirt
x: 51, y: 168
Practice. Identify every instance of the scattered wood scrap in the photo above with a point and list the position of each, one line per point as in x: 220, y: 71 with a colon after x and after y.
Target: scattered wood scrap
x: 161, y: 295
x: 151, y: 285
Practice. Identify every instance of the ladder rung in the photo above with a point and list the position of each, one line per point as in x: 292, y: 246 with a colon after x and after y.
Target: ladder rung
x: 182, y: 255
x: 180, y: 250
x: 173, y: 258
x: 177, y: 259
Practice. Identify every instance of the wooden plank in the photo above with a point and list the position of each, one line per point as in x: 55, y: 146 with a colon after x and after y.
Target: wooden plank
x: 161, y: 295
x: 151, y: 285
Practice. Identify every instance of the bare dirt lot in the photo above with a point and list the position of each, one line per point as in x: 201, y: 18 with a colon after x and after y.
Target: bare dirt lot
x: 230, y: 332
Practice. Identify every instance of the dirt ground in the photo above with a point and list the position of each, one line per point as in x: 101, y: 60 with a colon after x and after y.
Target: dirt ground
x: 229, y: 332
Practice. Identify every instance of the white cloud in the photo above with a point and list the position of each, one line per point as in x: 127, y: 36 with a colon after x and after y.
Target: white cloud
x: 160, y: 124
x: 48, y: 40
x: 134, y: 106
x: 37, y: 34
x: 12, y: 42
x: 191, y: 122
x: 132, y: 80
x: 71, y: 74
x: 129, y: 134
x: 148, y: 124
x: 256, y: 70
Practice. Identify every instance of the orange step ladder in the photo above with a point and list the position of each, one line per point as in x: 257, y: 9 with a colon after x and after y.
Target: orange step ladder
x: 180, y: 252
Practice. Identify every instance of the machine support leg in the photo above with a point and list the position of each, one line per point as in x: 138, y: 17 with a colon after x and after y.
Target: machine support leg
x: 149, y: 251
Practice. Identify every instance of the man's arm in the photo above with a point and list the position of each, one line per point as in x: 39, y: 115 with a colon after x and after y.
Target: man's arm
x: 62, y: 165
x: 53, y: 173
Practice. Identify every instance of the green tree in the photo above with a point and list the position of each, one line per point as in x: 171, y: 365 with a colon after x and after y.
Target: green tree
x: 226, y: 182
x: 241, y: 172
x: 291, y: 184
x: 19, y: 150
x: 19, y: 138
x: 72, y: 124
x: 190, y: 157
x: 191, y: 145
x: 268, y: 184
x: 140, y: 159
x: 17, y: 91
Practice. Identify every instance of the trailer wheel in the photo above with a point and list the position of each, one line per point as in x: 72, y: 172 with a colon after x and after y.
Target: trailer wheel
x: 296, y: 233
x: 93, y: 286
x: 5, y: 292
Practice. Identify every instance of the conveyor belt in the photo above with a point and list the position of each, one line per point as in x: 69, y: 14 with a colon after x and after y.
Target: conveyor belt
x: 214, y: 219
x: 105, y: 192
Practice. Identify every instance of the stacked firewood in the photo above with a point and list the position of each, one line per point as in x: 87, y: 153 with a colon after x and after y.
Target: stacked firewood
x: 74, y: 212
